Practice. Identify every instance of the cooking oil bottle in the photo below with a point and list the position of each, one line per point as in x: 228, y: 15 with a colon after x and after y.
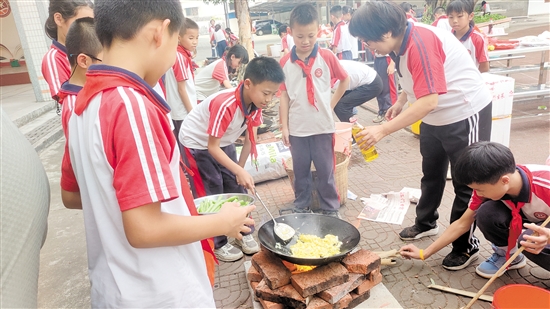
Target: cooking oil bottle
x: 368, y: 154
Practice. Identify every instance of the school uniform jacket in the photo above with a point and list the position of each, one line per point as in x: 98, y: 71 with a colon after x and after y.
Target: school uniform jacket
x: 56, y: 68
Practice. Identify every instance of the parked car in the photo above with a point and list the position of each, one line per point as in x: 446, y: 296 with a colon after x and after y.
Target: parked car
x: 264, y: 26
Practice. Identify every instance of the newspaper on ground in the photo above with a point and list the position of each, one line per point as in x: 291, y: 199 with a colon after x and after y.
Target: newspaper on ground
x: 414, y: 194
x: 388, y: 208
x: 352, y: 196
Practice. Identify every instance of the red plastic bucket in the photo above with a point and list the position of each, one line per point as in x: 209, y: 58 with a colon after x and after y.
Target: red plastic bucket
x: 521, y: 296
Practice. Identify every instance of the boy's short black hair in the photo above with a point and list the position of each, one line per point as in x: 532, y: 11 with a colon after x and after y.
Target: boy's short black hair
x: 188, y: 24
x: 122, y: 19
x: 304, y: 14
x: 81, y: 39
x: 484, y: 163
x: 282, y: 29
x: 347, y: 9
x: 459, y: 6
x: 440, y: 10
x: 239, y: 52
x: 262, y: 69
x: 336, y: 11
x: 374, y: 19
x: 407, y: 7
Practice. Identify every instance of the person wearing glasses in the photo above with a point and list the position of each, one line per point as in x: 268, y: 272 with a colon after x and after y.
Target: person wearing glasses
x: 84, y: 49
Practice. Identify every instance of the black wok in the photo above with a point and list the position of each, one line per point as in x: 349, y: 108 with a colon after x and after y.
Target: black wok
x: 313, y: 224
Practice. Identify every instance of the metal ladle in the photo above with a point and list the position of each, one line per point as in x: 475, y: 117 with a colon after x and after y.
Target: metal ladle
x: 283, y: 232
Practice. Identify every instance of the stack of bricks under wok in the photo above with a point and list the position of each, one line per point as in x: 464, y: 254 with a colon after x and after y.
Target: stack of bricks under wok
x: 344, y: 284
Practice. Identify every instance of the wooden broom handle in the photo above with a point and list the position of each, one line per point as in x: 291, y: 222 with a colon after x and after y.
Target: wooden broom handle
x: 496, y: 275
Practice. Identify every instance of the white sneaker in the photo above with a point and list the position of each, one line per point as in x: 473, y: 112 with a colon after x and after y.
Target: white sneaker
x: 228, y: 253
x: 248, y: 244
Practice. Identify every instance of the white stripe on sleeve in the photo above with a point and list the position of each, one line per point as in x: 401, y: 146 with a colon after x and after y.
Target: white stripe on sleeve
x: 139, y: 145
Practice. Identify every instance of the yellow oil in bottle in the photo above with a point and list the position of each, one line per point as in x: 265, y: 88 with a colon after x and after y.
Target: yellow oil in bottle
x: 368, y: 154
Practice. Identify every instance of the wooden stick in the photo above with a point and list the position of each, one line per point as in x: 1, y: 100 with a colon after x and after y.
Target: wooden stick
x: 502, y: 269
x: 387, y: 254
x: 459, y: 292
x: 387, y: 262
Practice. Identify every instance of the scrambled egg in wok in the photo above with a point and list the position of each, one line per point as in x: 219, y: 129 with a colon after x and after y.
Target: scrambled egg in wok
x: 311, y: 246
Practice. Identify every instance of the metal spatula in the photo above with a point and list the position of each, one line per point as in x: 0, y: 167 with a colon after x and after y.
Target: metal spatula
x: 283, y: 232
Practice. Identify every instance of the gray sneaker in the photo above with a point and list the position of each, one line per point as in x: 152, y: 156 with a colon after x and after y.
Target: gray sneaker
x: 379, y: 119
x: 248, y: 244
x: 228, y: 253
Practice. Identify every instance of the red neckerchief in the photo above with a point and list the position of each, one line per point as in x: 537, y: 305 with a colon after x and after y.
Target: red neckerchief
x: 306, y: 68
x: 438, y: 19
x: 516, y: 224
x: 187, y: 54
x: 102, y: 77
x: 249, y: 124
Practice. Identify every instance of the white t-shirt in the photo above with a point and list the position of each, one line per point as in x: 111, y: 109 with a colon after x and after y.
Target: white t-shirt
x: 476, y: 45
x: 182, y: 70
x: 304, y: 118
x: 443, y: 23
x: 121, y: 155
x: 359, y: 74
x: 341, y: 38
x: 210, y: 79
x: 432, y: 60
x: 219, y: 116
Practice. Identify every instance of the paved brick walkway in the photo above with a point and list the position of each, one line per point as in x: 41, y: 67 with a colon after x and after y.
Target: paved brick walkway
x: 398, y: 166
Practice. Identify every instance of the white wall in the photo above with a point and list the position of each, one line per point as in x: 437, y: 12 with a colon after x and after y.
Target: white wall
x: 538, y: 7
x: 10, y: 38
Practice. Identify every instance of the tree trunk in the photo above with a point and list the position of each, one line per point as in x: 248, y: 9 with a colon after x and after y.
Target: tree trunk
x: 245, y: 26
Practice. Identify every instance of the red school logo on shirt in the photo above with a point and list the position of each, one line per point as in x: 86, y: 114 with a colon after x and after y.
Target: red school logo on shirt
x: 319, y: 72
x: 540, y: 215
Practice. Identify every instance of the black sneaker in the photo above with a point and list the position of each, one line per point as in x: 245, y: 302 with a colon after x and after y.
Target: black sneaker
x: 332, y: 213
x: 459, y: 260
x: 414, y: 232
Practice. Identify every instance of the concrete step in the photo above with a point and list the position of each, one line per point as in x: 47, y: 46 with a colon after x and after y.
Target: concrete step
x: 43, y: 130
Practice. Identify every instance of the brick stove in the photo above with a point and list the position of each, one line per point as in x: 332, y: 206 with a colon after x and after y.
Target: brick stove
x: 346, y: 284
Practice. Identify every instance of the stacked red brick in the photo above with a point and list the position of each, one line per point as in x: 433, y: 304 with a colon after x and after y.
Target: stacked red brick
x: 344, y: 284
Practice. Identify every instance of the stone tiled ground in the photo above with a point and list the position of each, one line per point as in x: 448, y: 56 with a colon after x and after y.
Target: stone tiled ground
x: 399, y: 166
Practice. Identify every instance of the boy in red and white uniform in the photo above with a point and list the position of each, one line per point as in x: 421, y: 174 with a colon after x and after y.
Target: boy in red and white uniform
x: 341, y: 39
x: 208, y: 135
x: 505, y: 195
x: 287, y: 42
x: 306, y: 111
x: 215, y: 76
x: 347, y: 12
x: 461, y: 14
x: 180, y: 79
x: 448, y: 93
x: 145, y: 249
x: 441, y: 19
x: 85, y: 50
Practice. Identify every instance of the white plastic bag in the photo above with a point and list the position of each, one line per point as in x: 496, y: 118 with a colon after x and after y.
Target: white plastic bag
x: 270, y: 161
